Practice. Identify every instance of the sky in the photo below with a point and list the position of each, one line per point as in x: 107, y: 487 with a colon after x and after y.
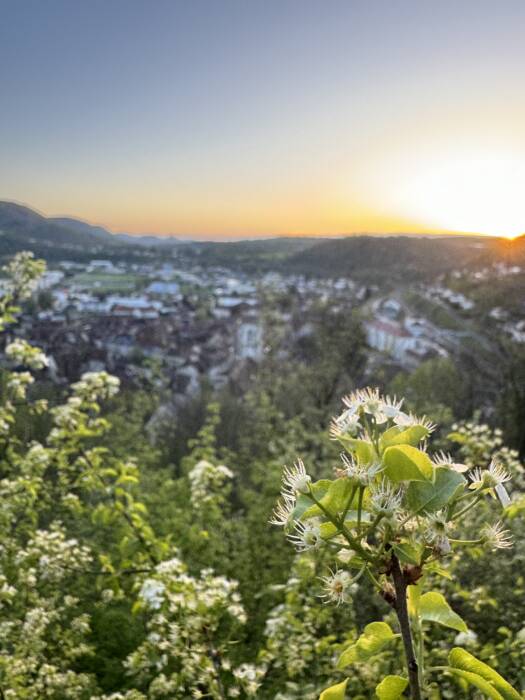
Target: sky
x: 239, y: 118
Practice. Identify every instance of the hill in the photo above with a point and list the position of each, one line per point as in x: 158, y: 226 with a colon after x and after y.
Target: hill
x: 21, y: 228
x: 84, y: 228
x: 398, y: 257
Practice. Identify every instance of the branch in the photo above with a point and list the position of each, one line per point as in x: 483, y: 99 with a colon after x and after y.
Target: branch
x: 402, y: 615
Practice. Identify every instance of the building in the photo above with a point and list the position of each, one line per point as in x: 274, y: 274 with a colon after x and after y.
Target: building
x: 390, y: 338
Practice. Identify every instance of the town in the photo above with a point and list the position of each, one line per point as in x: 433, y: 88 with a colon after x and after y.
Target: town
x: 189, y: 324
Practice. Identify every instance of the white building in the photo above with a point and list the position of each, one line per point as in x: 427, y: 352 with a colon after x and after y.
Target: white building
x: 249, y: 341
x: 390, y: 338
x: 168, y: 289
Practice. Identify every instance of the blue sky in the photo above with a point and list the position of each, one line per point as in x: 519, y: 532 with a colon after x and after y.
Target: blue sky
x: 226, y: 118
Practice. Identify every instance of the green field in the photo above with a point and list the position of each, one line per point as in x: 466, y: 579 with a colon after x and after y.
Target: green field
x: 107, y: 282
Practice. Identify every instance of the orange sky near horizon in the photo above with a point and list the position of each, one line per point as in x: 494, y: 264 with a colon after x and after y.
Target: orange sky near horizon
x: 267, y: 118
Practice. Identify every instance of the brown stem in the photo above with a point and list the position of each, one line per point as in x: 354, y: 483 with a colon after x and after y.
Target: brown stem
x: 401, y: 609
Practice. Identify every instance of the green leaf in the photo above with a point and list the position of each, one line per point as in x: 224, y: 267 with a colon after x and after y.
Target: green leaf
x: 407, y: 463
x: 305, y: 504
x: 435, y: 568
x: 477, y: 681
x: 362, y: 450
x: 413, y: 598
x: 432, y: 496
x: 398, y: 435
x: 375, y: 636
x: 464, y: 660
x: 335, y: 500
x: 328, y: 529
x: 408, y: 553
x: 335, y: 692
x: 434, y: 608
x: 457, y: 437
x: 391, y: 688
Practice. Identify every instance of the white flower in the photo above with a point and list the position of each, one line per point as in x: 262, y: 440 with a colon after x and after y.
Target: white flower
x: 489, y: 478
x: 338, y: 587
x: 385, y: 499
x: 436, y: 533
x: 466, y: 639
x: 295, y: 480
x: 356, y: 399
x: 282, y: 512
x: 152, y: 593
x: 345, y: 424
x: 308, y: 535
x: 443, y: 459
x: 23, y: 353
x: 363, y: 474
x: 94, y: 386
x: 407, y: 420
x: 496, y: 537
x: 207, y: 482
x: 107, y: 595
x: 170, y: 566
x: 381, y: 408
x: 391, y: 407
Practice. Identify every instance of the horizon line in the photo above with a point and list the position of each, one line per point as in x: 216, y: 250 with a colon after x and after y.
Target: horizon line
x: 228, y: 238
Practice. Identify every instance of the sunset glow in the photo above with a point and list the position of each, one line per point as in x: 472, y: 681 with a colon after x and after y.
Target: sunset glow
x: 267, y: 118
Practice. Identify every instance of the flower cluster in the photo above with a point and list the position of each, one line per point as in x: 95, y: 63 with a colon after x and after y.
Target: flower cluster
x: 42, y: 627
x: 188, y: 629
x: 207, y: 480
x: 299, y: 633
x: 388, y: 495
x: 22, y: 353
x: 96, y: 386
x: 24, y: 272
x: 391, y: 513
x: 480, y: 444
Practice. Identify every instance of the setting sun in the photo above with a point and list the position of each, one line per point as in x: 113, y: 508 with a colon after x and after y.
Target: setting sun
x: 469, y: 192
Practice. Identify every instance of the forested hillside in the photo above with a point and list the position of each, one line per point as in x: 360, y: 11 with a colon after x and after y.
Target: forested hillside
x: 141, y: 559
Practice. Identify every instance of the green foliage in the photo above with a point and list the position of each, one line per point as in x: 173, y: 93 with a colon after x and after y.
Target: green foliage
x: 375, y: 636
x: 465, y: 661
x: 406, y: 506
x: 432, y: 607
x: 335, y: 692
x: 155, y: 576
x: 391, y: 688
x: 429, y: 497
x: 407, y: 463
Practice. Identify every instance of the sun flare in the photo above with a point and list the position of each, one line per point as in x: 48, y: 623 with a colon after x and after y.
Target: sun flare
x: 469, y: 193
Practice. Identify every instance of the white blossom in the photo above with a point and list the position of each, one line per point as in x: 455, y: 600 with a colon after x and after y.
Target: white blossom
x: 496, y: 537
x: 338, y: 587
x: 152, y: 593
x: 307, y: 535
x: 385, y: 499
x: 295, y: 480
x: 443, y: 459
x: 282, y: 513
x: 21, y: 352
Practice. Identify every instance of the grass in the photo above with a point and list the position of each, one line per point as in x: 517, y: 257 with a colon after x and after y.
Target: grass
x: 107, y: 282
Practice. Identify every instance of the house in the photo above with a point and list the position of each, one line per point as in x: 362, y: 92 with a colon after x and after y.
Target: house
x: 136, y: 307
x: 164, y: 289
x: 389, y: 337
x: 249, y: 341
x: 103, y: 266
x: 49, y: 279
x: 391, y: 308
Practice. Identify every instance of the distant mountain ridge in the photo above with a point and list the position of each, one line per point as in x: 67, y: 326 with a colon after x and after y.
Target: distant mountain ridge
x: 365, y: 257
x: 80, y: 226
x: 22, y: 227
x: 16, y: 219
